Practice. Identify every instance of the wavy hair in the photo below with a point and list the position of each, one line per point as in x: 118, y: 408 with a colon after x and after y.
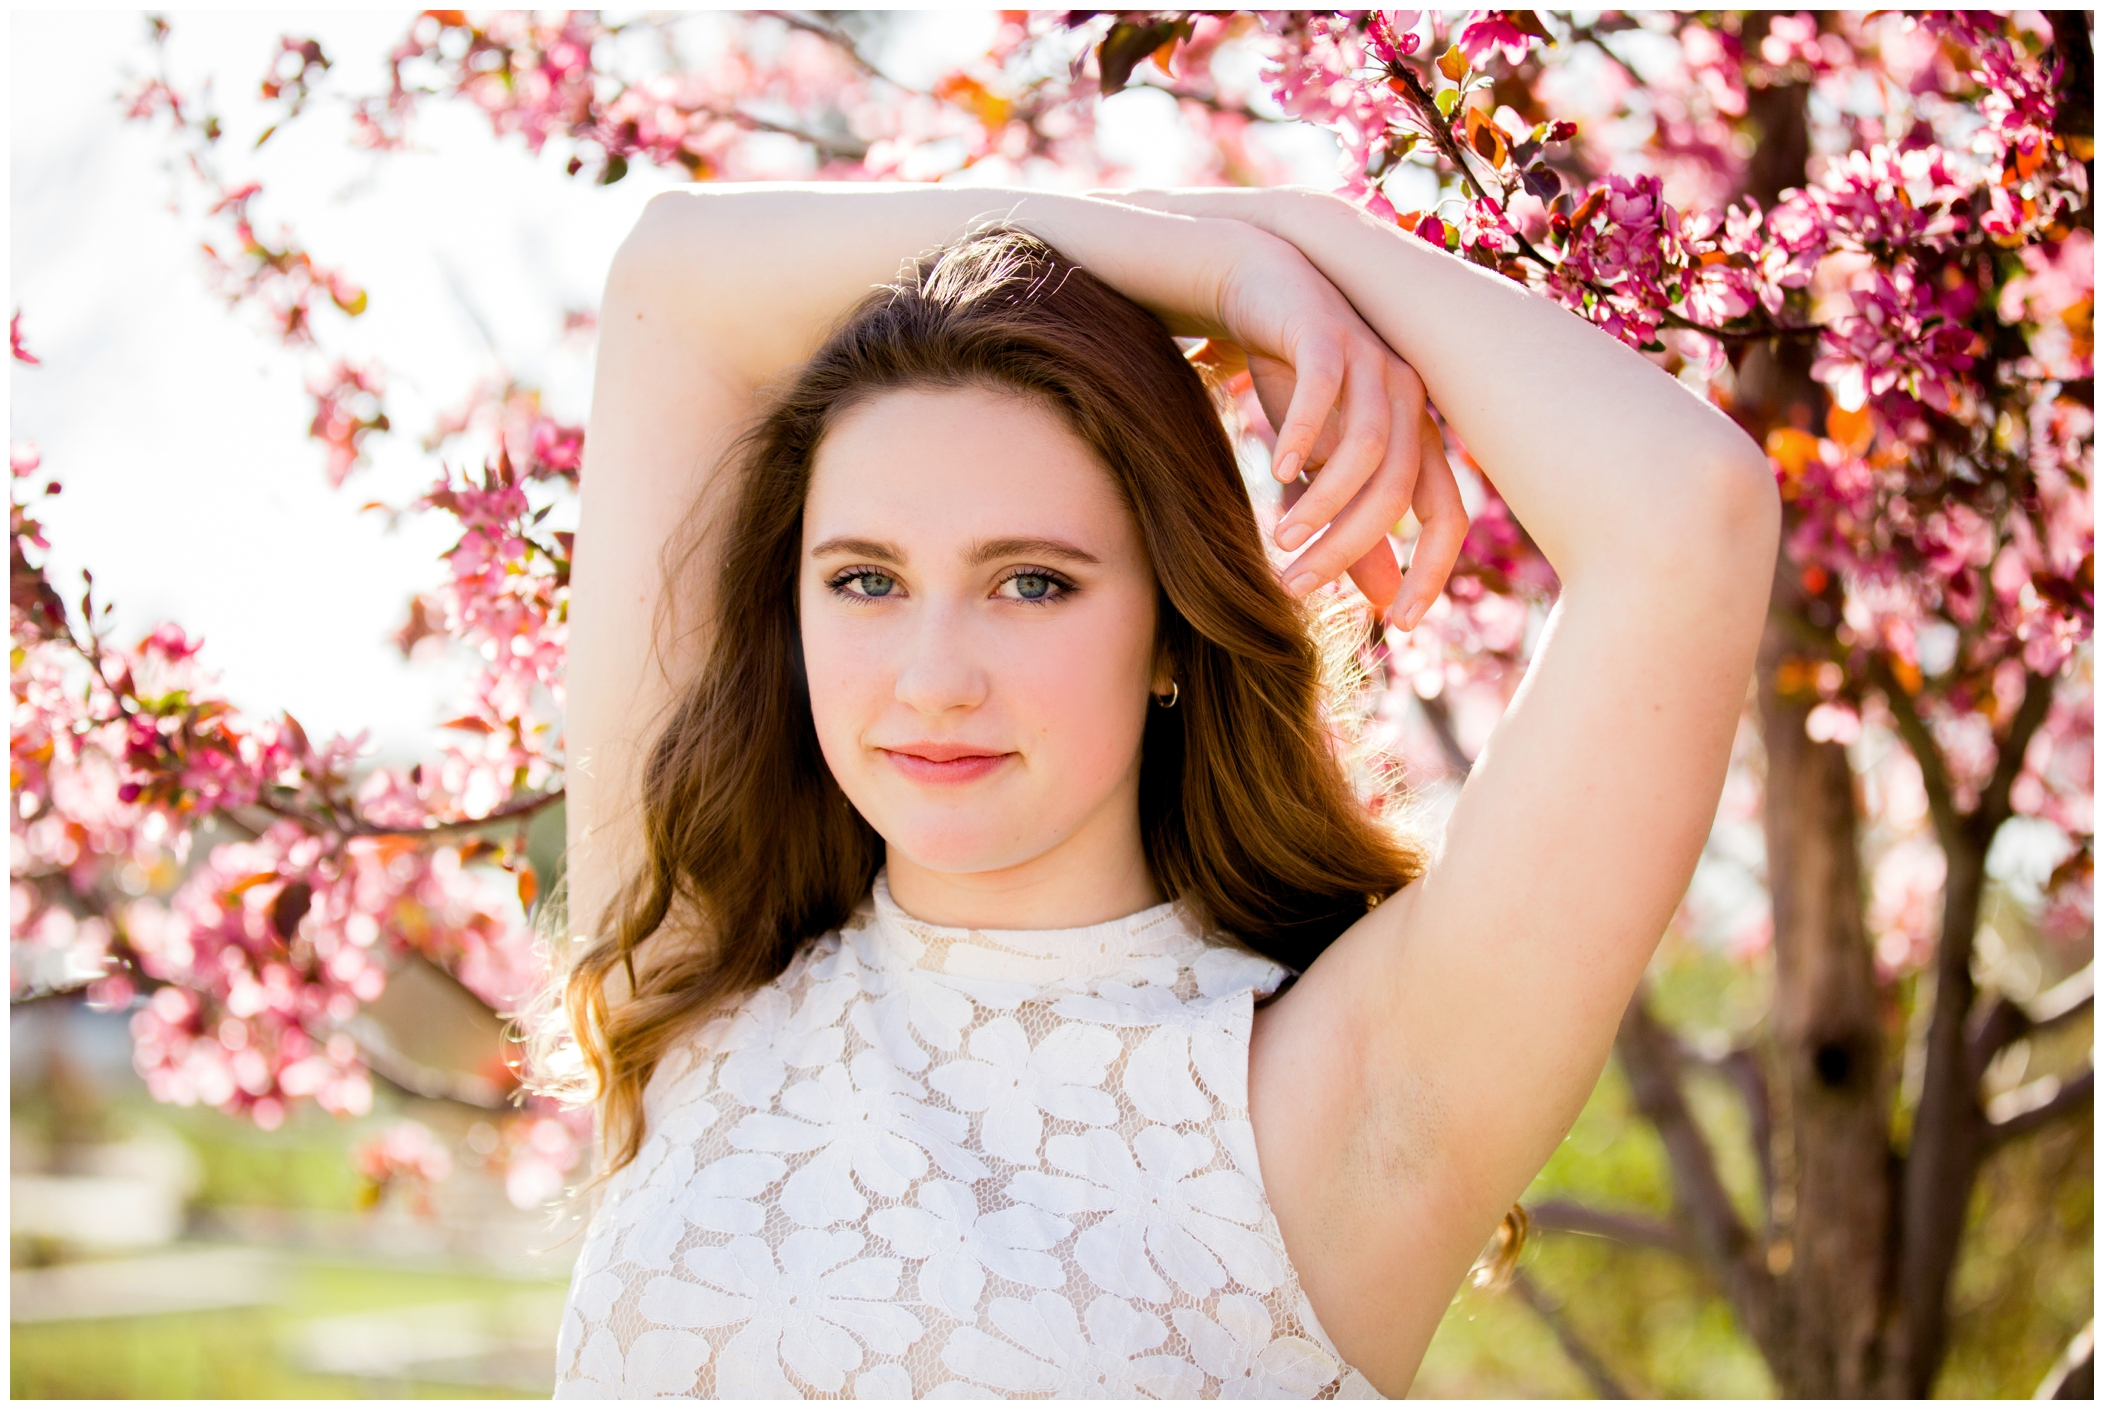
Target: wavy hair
x: 750, y: 849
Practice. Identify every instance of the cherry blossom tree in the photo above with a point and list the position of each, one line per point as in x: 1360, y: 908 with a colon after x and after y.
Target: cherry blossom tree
x: 1869, y: 238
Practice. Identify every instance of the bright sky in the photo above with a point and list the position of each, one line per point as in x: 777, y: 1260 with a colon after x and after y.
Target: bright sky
x: 178, y: 428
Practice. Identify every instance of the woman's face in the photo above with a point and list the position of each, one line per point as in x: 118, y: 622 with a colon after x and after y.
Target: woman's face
x: 978, y: 620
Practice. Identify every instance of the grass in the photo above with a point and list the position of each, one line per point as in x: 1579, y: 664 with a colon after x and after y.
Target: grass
x: 241, y: 1353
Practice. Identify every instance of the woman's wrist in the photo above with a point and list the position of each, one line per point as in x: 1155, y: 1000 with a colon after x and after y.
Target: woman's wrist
x: 1272, y: 209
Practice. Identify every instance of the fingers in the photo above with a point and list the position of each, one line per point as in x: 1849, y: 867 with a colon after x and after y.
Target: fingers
x: 1443, y: 524
x: 1359, y: 520
x: 1366, y: 445
x: 1317, y: 379
x: 1376, y: 574
x: 1273, y: 382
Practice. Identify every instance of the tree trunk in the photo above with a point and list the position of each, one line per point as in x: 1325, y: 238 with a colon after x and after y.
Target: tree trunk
x: 1830, y: 1214
x: 1832, y: 1203
x: 1943, y: 1153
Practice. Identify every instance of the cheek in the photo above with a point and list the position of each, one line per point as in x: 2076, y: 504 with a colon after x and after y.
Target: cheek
x: 1078, y: 692
x: 850, y: 675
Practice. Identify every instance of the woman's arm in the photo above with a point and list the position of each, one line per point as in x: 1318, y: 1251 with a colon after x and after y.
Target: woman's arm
x: 1413, y: 1082
x: 720, y: 289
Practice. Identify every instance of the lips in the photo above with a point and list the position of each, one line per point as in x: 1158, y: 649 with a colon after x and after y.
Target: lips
x: 928, y: 761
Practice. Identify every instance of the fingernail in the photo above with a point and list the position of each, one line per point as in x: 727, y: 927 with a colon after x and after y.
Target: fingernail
x: 1288, y: 466
x: 1411, y: 614
x: 1303, y: 583
x: 1292, y: 536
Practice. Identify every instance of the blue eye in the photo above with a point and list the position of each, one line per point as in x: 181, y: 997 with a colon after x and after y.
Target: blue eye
x: 1035, y: 586
x: 863, y: 584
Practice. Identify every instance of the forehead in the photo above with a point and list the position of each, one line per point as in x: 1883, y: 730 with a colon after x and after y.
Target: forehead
x: 935, y: 466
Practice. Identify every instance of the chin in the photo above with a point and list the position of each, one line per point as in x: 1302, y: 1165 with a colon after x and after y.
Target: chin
x: 959, y: 846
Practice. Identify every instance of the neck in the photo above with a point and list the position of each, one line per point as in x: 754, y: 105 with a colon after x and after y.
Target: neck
x: 1098, y: 873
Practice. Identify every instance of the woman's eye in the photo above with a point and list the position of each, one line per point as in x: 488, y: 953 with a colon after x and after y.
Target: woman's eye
x: 865, y: 584
x: 1033, y: 587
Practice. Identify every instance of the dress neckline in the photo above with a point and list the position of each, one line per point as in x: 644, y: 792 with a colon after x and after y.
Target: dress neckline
x: 1160, y: 932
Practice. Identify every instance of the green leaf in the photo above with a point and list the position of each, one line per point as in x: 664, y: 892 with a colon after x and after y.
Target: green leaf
x: 1448, y: 99
x: 616, y: 167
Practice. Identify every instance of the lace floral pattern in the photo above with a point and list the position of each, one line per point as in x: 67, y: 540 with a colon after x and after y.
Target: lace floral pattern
x: 936, y: 1162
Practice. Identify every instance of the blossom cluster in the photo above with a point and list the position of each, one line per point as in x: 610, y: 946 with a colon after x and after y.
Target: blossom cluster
x: 778, y: 96
x: 505, y: 599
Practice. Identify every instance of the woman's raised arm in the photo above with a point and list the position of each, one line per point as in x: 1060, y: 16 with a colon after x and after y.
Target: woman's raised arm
x: 1415, y: 1080
x: 721, y: 288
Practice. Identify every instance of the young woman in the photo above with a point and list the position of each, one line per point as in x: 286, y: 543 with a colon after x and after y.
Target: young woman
x: 992, y: 985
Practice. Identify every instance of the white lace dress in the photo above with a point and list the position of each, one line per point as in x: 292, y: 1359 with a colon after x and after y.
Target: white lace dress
x: 937, y: 1162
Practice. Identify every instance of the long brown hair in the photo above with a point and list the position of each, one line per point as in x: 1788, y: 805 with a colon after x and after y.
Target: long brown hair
x: 750, y: 848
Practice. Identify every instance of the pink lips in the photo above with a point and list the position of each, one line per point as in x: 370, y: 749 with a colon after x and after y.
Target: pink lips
x: 930, y: 762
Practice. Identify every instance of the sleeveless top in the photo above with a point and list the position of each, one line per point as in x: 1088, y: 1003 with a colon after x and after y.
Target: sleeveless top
x: 927, y: 1161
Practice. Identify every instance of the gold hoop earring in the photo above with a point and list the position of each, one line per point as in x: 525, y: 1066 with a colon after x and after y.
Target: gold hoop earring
x: 1168, y: 702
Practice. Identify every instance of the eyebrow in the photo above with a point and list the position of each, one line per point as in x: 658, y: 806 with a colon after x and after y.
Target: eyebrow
x: 985, y: 551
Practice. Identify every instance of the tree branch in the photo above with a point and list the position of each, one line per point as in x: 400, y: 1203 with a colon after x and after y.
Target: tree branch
x: 1742, y: 1068
x: 1993, y: 809
x: 1921, y: 743
x: 1701, y: 1204
x: 1435, y: 126
x: 1590, y: 34
x: 2007, y: 1020
x: 1442, y: 719
x: 2036, y: 1105
x: 412, y: 1079
x: 1637, y: 1230
x: 835, y: 36
x: 1582, y: 1356
x: 845, y: 147
x: 1428, y: 119
x: 359, y: 827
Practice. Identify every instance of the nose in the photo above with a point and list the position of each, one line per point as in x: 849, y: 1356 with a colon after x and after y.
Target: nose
x: 940, y: 672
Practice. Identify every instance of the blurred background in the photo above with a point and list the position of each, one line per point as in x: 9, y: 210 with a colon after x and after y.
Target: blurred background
x: 264, y: 1135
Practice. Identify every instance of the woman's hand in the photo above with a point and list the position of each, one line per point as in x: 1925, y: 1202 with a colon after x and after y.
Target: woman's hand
x: 1413, y: 473
x: 1354, y: 444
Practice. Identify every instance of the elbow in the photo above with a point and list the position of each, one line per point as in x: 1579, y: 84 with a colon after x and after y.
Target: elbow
x: 1728, y: 528
x: 1713, y: 526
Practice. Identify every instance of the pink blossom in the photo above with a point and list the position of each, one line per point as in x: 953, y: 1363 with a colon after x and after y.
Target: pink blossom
x: 1903, y: 335
x: 1393, y: 33
x: 14, y: 339
x: 1498, y: 31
